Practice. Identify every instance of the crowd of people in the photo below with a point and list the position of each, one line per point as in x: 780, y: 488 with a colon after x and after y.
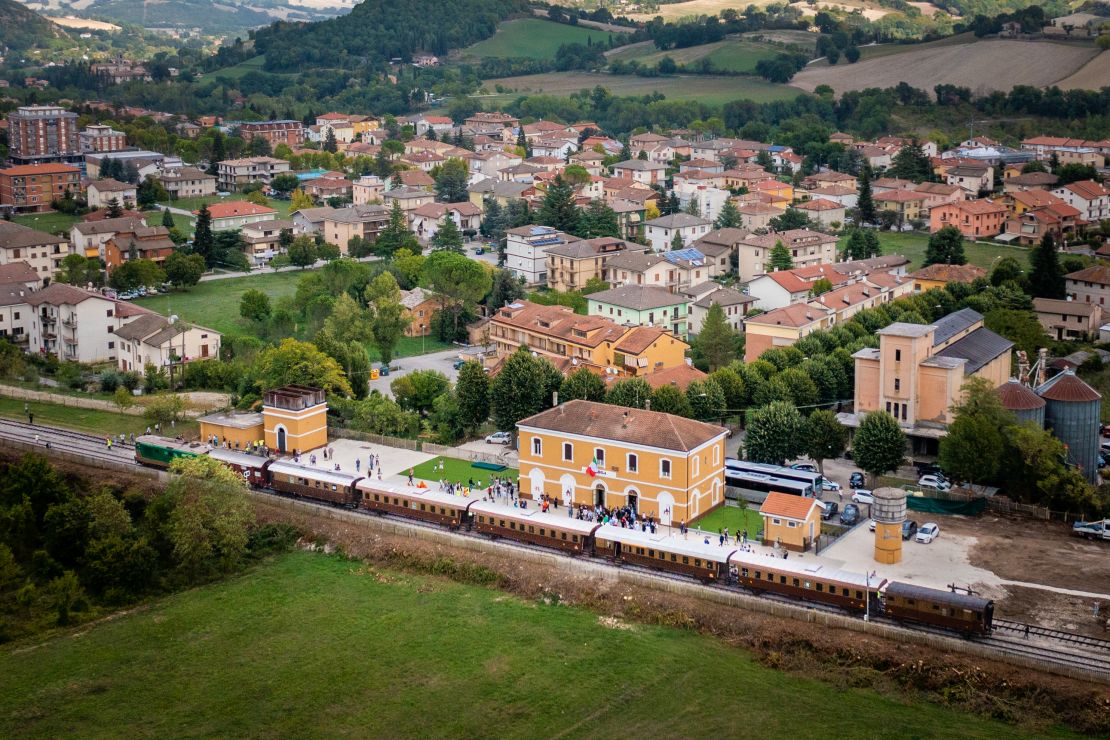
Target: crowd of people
x: 623, y: 516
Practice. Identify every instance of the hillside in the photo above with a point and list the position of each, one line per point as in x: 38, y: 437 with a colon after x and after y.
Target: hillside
x: 21, y: 28
x: 533, y: 38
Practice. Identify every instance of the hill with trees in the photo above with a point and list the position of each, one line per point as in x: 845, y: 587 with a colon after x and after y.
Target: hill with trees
x: 21, y: 28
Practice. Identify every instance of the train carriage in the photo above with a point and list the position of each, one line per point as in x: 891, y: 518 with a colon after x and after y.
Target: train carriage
x: 333, y: 487
x: 708, y: 563
x: 533, y: 526
x: 971, y: 615
x: 814, y: 581
x: 431, y: 506
x: 253, y: 468
x: 159, y: 452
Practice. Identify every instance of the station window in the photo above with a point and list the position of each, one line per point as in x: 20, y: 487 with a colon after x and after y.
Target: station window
x: 599, y: 455
x: 791, y: 525
x: 568, y: 451
x: 665, y: 468
x: 633, y: 462
x: 537, y: 446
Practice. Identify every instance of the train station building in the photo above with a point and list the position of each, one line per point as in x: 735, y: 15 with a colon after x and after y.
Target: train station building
x: 587, y: 453
x: 293, y: 418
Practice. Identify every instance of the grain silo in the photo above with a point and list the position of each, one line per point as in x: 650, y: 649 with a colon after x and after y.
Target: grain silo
x: 1072, y: 412
x: 1020, y: 400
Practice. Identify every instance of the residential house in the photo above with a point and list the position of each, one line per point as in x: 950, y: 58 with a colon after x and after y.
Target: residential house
x: 340, y: 225
x: 1090, y: 198
x: 1030, y: 181
x: 846, y: 197
x: 680, y: 377
x: 1058, y: 219
x: 784, y: 287
x: 573, y: 263
x: 41, y: 251
x: 420, y: 305
x: 642, y: 305
x: 641, y: 171
x: 76, y: 325
x: 490, y: 123
x: 830, y: 178
x: 976, y: 219
x: 594, y: 454
x: 100, y: 193
x: 807, y: 248
x: 323, y: 188
x: 409, y: 198
x: 290, y: 133
x: 427, y: 219
x: 1026, y: 200
x: 233, y: 174
x: 18, y: 280
x: 661, y: 232
x: 31, y: 188
x: 824, y: 212
x: 89, y: 237
x: 938, y: 193
x: 1067, y: 151
x: 1089, y: 285
x: 907, y: 205
x: 940, y: 275
x: 140, y: 242
x: 972, y: 179
x: 570, y: 340
x: 630, y: 216
x: 490, y: 164
x: 235, y: 214
x: 641, y: 268
x: 153, y: 339
x: 499, y: 190
x: 263, y: 239
x: 367, y: 189
x: 1066, y: 320
x: 758, y: 215
x: 918, y: 372
x: 187, y: 182
x: 554, y: 145
x: 733, y: 303
x: 526, y: 251
x: 783, y: 327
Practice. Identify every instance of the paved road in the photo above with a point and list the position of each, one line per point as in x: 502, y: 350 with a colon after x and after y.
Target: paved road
x: 441, y: 361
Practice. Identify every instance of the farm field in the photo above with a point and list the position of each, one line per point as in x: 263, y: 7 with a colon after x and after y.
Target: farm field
x: 1091, y: 76
x: 732, y: 55
x: 982, y: 66
x: 308, y: 642
x: 534, y: 38
x: 913, y: 246
x: 254, y: 64
x: 703, y: 89
x: 874, y: 51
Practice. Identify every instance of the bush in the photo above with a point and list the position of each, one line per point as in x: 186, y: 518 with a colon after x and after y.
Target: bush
x: 109, y: 381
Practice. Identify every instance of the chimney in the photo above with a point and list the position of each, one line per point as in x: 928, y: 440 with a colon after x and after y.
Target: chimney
x: 647, y: 405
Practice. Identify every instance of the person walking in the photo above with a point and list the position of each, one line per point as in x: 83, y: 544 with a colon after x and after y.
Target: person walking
x: 108, y: 440
x: 358, y: 465
x: 410, y: 476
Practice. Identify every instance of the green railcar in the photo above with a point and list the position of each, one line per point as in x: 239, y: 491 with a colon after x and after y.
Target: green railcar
x: 160, y: 452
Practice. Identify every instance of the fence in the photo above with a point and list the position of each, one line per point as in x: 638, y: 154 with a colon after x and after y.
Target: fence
x: 63, y: 400
x: 378, y: 439
x: 506, y: 457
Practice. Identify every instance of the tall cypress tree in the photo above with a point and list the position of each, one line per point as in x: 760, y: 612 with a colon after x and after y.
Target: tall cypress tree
x: 1046, y: 278
x: 865, y: 204
x: 204, y: 243
x: 559, y: 210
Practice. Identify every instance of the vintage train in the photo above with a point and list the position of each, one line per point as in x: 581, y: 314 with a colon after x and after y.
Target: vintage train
x: 706, y: 561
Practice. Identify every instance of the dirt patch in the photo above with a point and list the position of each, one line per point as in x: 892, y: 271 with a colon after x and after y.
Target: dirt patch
x: 1091, y: 76
x: 615, y: 624
x: 1055, y: 611
x: 848, y: 658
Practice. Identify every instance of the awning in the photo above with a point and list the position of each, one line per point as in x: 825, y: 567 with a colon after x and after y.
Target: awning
x: 1006, y: 238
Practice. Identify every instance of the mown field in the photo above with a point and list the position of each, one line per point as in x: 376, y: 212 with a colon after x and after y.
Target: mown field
x: 533, y: 38
x: 731, y: 55
x: 698, y: 88
x: 314, y: 646
x: 913, y: 246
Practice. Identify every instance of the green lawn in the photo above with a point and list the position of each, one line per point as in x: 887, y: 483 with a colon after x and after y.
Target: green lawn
x: 309, y: 645
x: 534, y: 38
x: 254, y: 64
x: 709, y: 89
x: 734, y: 55
x: 215, y: 303
x: 733, y: 517
x: 913, y: 246
x: 461, y: 470
x: 81, y: 420
x: 51, y: 223
x: 738, y: 56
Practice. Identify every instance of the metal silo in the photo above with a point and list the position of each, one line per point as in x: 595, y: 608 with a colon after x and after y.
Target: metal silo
x: 1072, y: 413
x: 1022, y: 402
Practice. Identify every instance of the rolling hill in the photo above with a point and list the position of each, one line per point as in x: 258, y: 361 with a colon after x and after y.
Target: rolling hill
x: 21, y: 28
x: 533, y: 38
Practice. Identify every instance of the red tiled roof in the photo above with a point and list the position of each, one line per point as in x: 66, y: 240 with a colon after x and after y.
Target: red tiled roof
x: 236, y: 208
x: 628, y: 425
x: 40, y: 169
x: 788, y: 506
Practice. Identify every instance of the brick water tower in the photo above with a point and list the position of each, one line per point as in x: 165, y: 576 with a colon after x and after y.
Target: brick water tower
x: 888, y: 511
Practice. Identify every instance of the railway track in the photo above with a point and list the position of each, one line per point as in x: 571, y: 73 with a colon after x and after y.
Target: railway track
x: 1016, y: 638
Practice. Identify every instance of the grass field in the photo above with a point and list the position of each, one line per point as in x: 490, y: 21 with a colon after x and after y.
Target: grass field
x: 533, y: 38
x: 460, y: 470
x: 81, y: 420
x: 311, y: 645
x: 254, y: 64
x: 733, y: 55
x: 733, y: 517
x: 913, y: 246
x: 215, y: 303
x: 51, y: 223
x: 704, y: 88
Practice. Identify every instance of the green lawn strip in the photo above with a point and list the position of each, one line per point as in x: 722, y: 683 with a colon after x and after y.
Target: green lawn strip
x: 733, y: 517
x: 51, y: 223
x: 463, y: 471
x: 92, y: 421
x: 312, y: 644
x: 215, y: 303
x: 913, y: 245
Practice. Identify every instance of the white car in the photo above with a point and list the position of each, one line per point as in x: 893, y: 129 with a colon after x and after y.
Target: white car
x: 500, y: 438
x: 932, y: 481
x: 863, y: 497
x: 829, y: 485
x: 870, y: 525
x: 927, y: 532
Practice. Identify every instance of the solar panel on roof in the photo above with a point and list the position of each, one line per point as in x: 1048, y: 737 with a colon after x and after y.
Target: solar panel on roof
x: 537, y: 230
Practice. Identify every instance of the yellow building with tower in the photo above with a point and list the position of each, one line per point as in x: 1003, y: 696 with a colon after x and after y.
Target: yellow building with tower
x: 294, y: 418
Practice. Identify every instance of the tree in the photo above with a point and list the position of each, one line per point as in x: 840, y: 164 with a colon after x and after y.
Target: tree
x: 732, y: 385
x: 451, y: 182
x: 163, y: 409
x: 910, y: 163
x: 472, y: 393
x: 1007, y: 270
x: 729, y: 217
x: 582, y: 385
x: 716, y: 342
x: 299, y: 200
x: 825, y: 437
x: 167, y: 220
x: 507, y: 288
x: 462, y: 282
x: 204, y: 243
x: 668, y: 399
x: 396, y: 235
x: 447, y: 237
x: 136, y: 274
x: 388, y: 319
x: 285, y: 182
x: 254, y: 305
x: 973, y: 448
x: 780, y: 257
x: 865, y: 201
x: 348, y: 321
x: 211, y: 518
x: 151, y: 191
x: 524, y: 386
x: 599, y: 220
x: 115, y: 210
x: 1046, y: 276
x: 494, y: 220
x: 330, y: 143
x: 79, y: 270
x: 1019, y: 326
x: 303, y: 251
x: 676, y: 240
x: 880, y: 445
x: 123, y: 399
x: 184, y: 269
x: 258, y: 198
x: 775, y: 433
x: 296, y: 362
x: 1074, y: 172
x: 558, y: 209
x: 707, y: 400
x: 946, y: 247
x: 631, y: 392
x: 418, y: 390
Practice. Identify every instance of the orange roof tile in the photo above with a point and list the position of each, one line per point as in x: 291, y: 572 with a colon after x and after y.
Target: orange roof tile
x: 788, y: 506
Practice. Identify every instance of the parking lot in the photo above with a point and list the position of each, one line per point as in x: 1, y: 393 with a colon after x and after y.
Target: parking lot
x: 441, y: 361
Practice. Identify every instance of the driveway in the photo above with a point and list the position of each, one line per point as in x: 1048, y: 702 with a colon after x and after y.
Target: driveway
x: 441, y: 361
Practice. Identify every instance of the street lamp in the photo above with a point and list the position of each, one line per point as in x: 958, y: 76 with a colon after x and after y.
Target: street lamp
x: 867, y: 597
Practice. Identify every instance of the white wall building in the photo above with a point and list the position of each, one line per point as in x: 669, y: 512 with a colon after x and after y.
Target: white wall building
x: 526, y: 251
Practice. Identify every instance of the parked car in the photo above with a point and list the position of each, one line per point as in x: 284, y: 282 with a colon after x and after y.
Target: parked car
x: 499, y: 438
x: 934, y: 482
x: 479, y: 250
x: 856, y: 480
x: 909, y: 529
x: 831, y: 507
x: 930, y: 469
x: 808, y: 467
x: 457, y: 364
x: 928, y: 532
x: 829, y: 485
x: 850, y: 515
x: 1092, y: 530
x: 862, y: 496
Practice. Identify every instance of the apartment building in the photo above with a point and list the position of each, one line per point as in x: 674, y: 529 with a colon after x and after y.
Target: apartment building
x: 153, y: 339
x: 17, y: 281
x: 76, y: 325
x: 526, y: 251
x: 188, y: 182
x: 31, y: 188
x: 290, y: 133
x: 783, y: 287
x: 39, y: 134
x: 339, y: 225
x: 661, y: 232
x: 100, y: 193
x: 974, y: 218
x: 1090, y: 198
x: 642, y: 305
x: 427, y: 219
x: 1089, y: 285
x: 1065, y: 320
x: 572, y: 264
x: 807, y: 248
x: 235, y: 214
x: 40, y: 251
x: 232, y: 174
x: 263, y: 239
x: 101, y: 138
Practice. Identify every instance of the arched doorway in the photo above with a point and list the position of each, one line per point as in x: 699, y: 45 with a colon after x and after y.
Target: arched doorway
x: 632, y: 499
x: 666, y: 508
x: 281, y: 440
x: 566, y: 488
x: 536, y: 478
x: 599, y: 494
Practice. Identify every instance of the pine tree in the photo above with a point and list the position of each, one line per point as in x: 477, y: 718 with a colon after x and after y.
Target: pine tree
x: 1046, y: 277
x: 946, y: 247
x: 115, y: 210
x: 330, y: 143
x: 167, y: 219
x: 729, y: 217
x: 447, y: 237
x: 910, y: 163
x: 396, y: 234
x: 676, y: 241
x: 559, y: 210
x: 780, y: 258
x: 494, y: 222
x: 716, y: 342
x: 451, y: 182
x: 599, y: 220
x: 522, y: 143
x: 865, y: 202
x: 204, y: 243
